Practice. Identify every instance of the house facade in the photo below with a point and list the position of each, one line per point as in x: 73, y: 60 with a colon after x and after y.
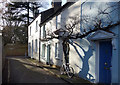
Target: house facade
x: 95, y: 57
x: 50, y: 49
x: 33, y: 39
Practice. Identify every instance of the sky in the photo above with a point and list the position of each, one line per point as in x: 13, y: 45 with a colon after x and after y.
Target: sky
x: 2, y: 6
x: 49, y: 6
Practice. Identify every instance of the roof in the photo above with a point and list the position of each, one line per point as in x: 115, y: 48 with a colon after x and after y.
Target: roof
x: 46, y: 14
x: 53, y: 14
x: 50, y: 13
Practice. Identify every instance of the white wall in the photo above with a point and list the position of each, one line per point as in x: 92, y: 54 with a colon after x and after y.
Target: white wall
x: 50, y: 27
x: 87, y: 66
x: 82, y: 57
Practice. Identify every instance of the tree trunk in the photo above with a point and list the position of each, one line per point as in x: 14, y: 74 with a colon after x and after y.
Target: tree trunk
x: 66, y: 50
x: 28, y: 14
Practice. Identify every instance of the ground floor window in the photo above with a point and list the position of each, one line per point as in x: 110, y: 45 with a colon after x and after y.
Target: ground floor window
x: 36, y: 45
x: 56, y: 50
x: 29, y: 49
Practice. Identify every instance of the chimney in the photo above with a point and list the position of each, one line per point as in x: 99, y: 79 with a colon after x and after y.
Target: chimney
x: 35, y: 11
x: 56, y: 4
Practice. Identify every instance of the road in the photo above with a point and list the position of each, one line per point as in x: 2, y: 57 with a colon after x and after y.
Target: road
x: 20, y: 70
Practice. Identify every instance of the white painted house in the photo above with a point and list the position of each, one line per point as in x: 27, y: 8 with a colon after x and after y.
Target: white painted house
x: 33, y: 39
x: 95, y: 57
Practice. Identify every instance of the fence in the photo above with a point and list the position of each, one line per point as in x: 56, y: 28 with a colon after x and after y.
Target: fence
x: 16, y: 50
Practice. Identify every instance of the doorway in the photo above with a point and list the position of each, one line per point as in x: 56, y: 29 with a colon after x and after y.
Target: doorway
x: 105, y: 56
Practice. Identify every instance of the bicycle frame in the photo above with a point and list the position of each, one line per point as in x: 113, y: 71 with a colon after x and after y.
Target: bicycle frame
x: 66, y: 69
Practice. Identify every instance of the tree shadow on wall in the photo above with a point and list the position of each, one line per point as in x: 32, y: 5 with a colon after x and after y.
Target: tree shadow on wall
x: 85, y: 65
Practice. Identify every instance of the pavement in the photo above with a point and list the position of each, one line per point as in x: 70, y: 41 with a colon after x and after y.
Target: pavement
x: 56, y: 72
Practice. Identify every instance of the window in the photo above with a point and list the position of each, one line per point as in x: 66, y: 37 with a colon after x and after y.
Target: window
x: 32, y: 48
x: 43, y: 50
x: 30, y: 30
x: 56, y: 22
x: 29, y: 49
x: 44, y: 32
x: 36, y: 26
x: 36, y: 45
x: 56, y: 50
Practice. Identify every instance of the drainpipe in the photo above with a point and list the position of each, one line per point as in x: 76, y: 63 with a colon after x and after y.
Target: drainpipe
x: 39, y: 49
x: 39, y: 43
x: 81, y: 15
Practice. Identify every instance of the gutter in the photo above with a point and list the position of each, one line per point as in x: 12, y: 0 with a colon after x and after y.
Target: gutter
x: 81, y: 14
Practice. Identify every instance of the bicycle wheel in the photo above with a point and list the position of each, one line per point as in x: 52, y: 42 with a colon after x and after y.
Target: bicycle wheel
x: 62, y: 69
x: 70, y: 72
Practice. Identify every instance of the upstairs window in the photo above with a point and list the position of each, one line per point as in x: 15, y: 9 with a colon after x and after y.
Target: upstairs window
x: 56, y: 22
x: 36, y: 26
x: 44, y: 32
x: 30, y: 30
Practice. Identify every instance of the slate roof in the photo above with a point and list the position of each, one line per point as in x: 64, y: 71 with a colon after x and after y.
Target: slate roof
x: 50, y: 13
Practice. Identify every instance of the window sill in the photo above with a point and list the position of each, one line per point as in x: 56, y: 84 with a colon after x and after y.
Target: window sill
x: 57, y: 58
x: 43, y: 58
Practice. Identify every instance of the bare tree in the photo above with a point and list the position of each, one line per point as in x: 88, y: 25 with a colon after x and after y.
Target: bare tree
x: 16, y: 18
x: 90, y: 25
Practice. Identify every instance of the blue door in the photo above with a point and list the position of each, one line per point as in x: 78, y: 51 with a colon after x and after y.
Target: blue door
x: 105, y: 55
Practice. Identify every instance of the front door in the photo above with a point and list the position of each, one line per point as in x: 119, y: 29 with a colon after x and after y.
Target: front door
x: 105, y: 54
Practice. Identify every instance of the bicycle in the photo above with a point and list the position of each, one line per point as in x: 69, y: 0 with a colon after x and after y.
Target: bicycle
x: 67, y: 69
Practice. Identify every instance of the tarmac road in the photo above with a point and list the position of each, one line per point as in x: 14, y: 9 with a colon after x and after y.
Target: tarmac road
x: 20, y: 70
